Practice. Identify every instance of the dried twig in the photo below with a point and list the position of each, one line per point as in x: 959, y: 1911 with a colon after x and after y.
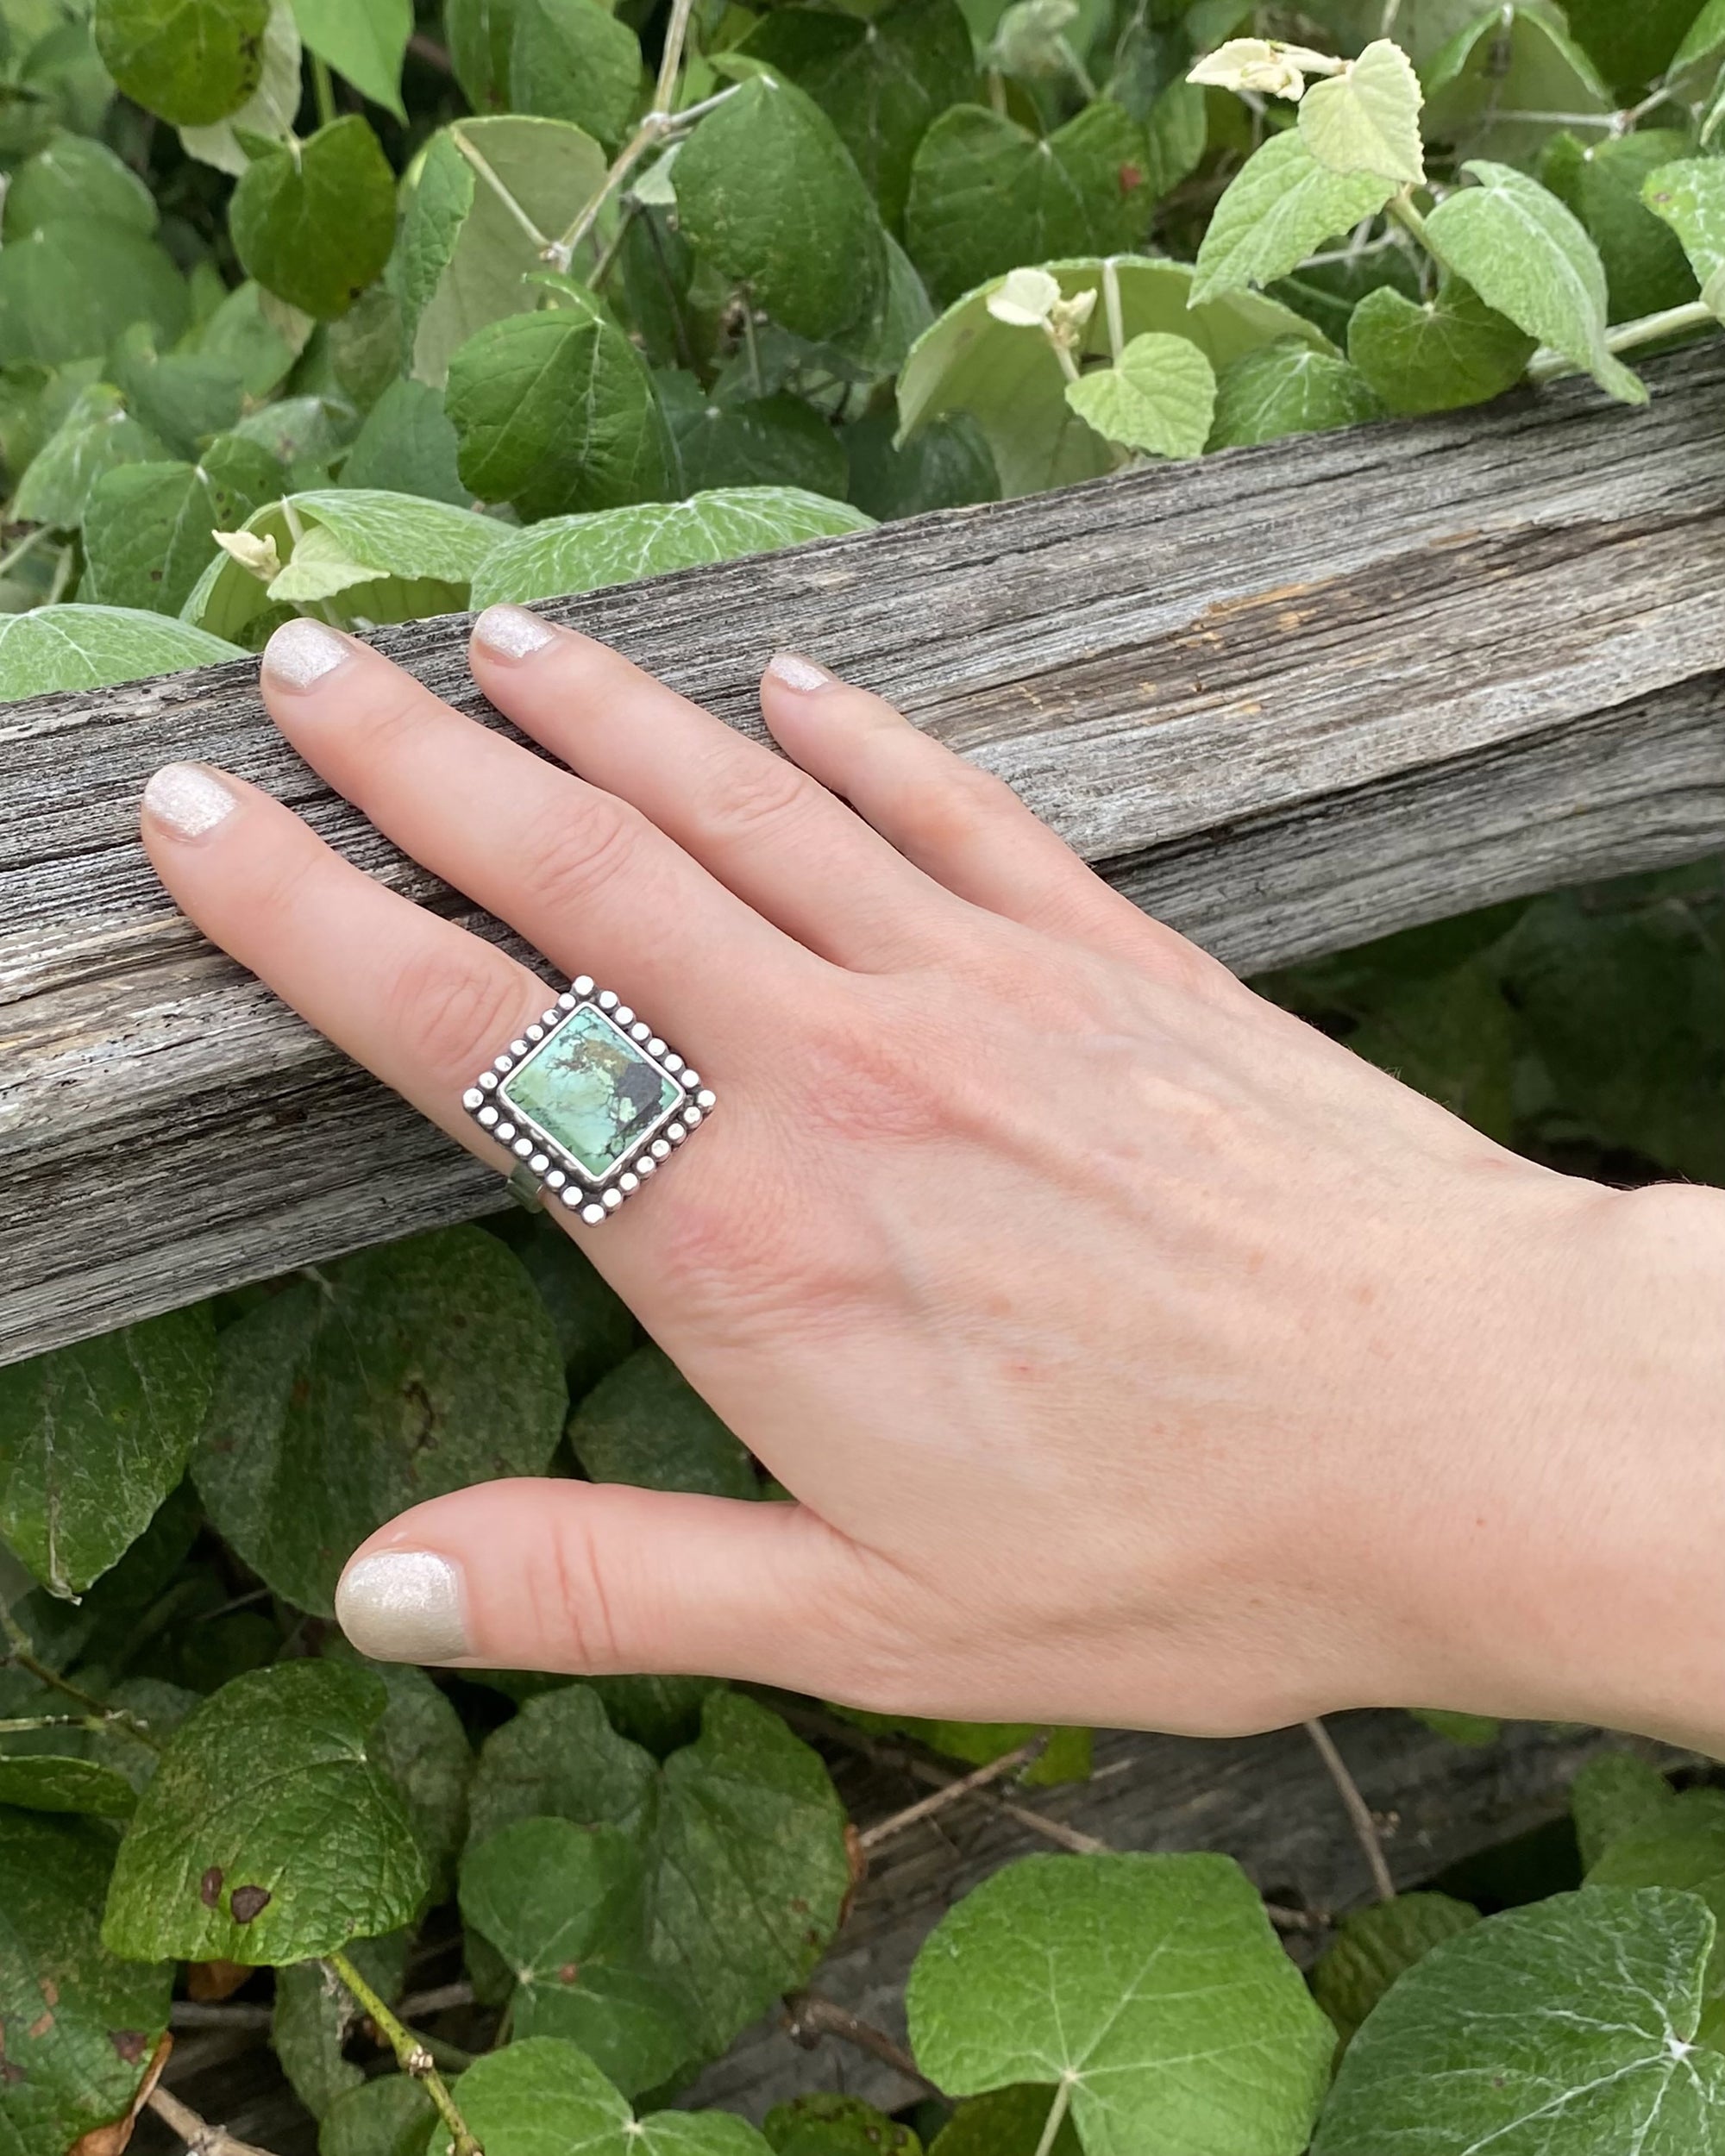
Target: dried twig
x: 198, y: 2135
x: 440, y: 2000
x: 951, y: 1792
x: 222, y: 2013
x: 808, y: 2017
x: 1358, y: 1811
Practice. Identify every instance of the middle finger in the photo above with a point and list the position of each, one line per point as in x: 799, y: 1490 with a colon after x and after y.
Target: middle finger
x: 585, y: 877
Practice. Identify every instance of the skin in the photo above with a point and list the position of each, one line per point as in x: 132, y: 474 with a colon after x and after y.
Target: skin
x: 1136, y: 1356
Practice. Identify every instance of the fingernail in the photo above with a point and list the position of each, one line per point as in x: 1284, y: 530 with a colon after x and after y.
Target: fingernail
x: 797, y: 673
x: 511, y: 632
x: 303, y: 651
x: 188, y: 799
x: 403, y: 1606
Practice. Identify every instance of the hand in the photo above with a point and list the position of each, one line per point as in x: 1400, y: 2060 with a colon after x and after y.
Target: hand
x: 1136, y: 1354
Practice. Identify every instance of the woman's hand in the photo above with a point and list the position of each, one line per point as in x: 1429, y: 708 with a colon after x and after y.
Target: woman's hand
x: 1136, y: 1354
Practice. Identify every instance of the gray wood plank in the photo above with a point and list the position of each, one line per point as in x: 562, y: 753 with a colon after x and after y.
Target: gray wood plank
x: 1289, y: 698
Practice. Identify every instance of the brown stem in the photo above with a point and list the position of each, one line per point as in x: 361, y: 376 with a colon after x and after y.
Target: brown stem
x: 926, y: 1806
x: 1358, y: 1811
x: 428, y: 50
x: 413, y: 2054
x: 808, y: 2017
x: 198, y: 2135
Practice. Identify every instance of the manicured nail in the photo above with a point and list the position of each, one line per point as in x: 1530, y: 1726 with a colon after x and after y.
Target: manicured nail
x: 511, y: 632
x: 188, y: 799
x: 797, y: 673
x: 403, y: 1606
x: 303, y: 651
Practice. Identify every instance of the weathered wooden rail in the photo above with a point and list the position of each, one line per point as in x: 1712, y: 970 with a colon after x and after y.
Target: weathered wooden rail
x: 1289, y: 700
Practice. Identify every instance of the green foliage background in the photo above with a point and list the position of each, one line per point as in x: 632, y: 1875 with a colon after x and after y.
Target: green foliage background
x: 369, y: 310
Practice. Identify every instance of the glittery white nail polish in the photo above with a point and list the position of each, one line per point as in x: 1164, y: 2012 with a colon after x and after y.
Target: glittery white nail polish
x: 303, y: 651
x: 511, y: 632
x: 797, y: 673
x: 188, y: 799
x: 403, y: 1606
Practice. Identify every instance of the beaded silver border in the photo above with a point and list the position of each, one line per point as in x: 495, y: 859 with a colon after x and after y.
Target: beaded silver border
x: 560, y: 1177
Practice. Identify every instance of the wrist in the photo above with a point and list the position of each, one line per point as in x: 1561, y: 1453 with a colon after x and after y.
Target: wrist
x: 1559, y: 1565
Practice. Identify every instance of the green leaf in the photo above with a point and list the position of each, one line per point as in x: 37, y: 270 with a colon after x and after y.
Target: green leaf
x: 1066, y: 1756
x: 1527, y: 256
x: 70, y: 287
x: 315, y: 2014
x: 1568, y: 2025
x: 561, y: 1758
x: 94, y: 1436
x: 398, y: 1375
x: 188, y: 61
x: 48, y: 1782
x: 92, y: 647
x: 881, y: 82
x: 1158, y: 398
x: 1374, y: 1945
x: 1452, y: 352
x: 1509, y: 82
x: 767, y: 194
x: 566, y: 1906
x: 832, y: 2125
x: 76, y: 178
x: 407, y: 446
x: 1008, y: 2122
x: 1704, y: 38
x: 570, y: 59
x: 390, y: 2117
x: 269, y: 1834
x: 74, y: 2064
x: 316, y: 223
x: 645, y: 1424
x: 1634, y: 45
x: 1367, y: 120
x: 97, y: 436
x: 945, y: 465
x: 616, y: 546
x: 1010, y: 382
x: 147, y: 528
x: 742, y: 1835
x: 1280, y: 208
x: 1152, y: 1986
x: 762, y: 441
x: 363, y: 39
x: 421, y: 1744
x: 555, y: 414
x: 593, y: 1325
x: 1613, y: 1796
x: 1470, y: 1730
x: 463, y: 251
x: 1454, y: 1038
x: 182, y: 397
x: 1688, y: 194
x: 250, y: 328
x: 987, y: 196
x: 1646, y: 268
x: 267, y: 115
x: 1288, y: 388
x: 1681, y: 1846
x: 542, y: 2097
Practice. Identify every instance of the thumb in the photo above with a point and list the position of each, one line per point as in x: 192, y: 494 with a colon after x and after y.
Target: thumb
x: 602, y: 1579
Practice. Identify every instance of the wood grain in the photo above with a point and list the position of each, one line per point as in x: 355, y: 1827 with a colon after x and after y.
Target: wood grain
x: 1289, y: 698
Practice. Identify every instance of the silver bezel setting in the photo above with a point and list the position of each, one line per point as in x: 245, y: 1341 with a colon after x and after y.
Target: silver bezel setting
x: 536, y: 1156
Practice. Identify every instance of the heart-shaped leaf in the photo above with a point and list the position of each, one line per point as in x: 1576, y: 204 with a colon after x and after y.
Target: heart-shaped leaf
x: 1367, y: 120
x: 315, y: 223
x: 1159, y: 397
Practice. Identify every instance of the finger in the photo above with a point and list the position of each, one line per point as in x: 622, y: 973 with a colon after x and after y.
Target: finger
x: 602, y: 1579
x: 965, y: 828
x: 418, y: 1000
x: 584, y: 876
x: 783, y: 843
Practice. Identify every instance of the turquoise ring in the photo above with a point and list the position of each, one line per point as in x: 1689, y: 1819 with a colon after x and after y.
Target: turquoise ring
x: 589, y: 1102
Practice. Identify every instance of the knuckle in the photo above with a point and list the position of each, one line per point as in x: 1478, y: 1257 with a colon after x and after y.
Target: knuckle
x: 933, y: 801
x: 449, y: 1011
x: 866, y: 1079
x: 742, y: 794
x: 577, y: 848
x: 568, y: 1598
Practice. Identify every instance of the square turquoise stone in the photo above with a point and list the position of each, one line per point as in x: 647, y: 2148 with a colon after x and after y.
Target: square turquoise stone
x: 589, y: 1088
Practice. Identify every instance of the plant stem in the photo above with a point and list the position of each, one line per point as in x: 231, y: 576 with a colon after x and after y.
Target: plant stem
x: 413, y: 2054
x: 926, y: 1806
x: 808, y: 2017
x: 482, y: 167
x: 21, y: 1724
x: 15, y: 555
x: 323, y: 90
x: 1358, y: 1811
x: 19, y: 1652
x: 197, y: 2135
x: 1629, y: 336
x: 1401, y: 208
x: 1057, y: 2116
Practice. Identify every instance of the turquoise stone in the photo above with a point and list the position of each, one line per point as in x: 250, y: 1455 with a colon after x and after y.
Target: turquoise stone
x: 589, y: 1088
